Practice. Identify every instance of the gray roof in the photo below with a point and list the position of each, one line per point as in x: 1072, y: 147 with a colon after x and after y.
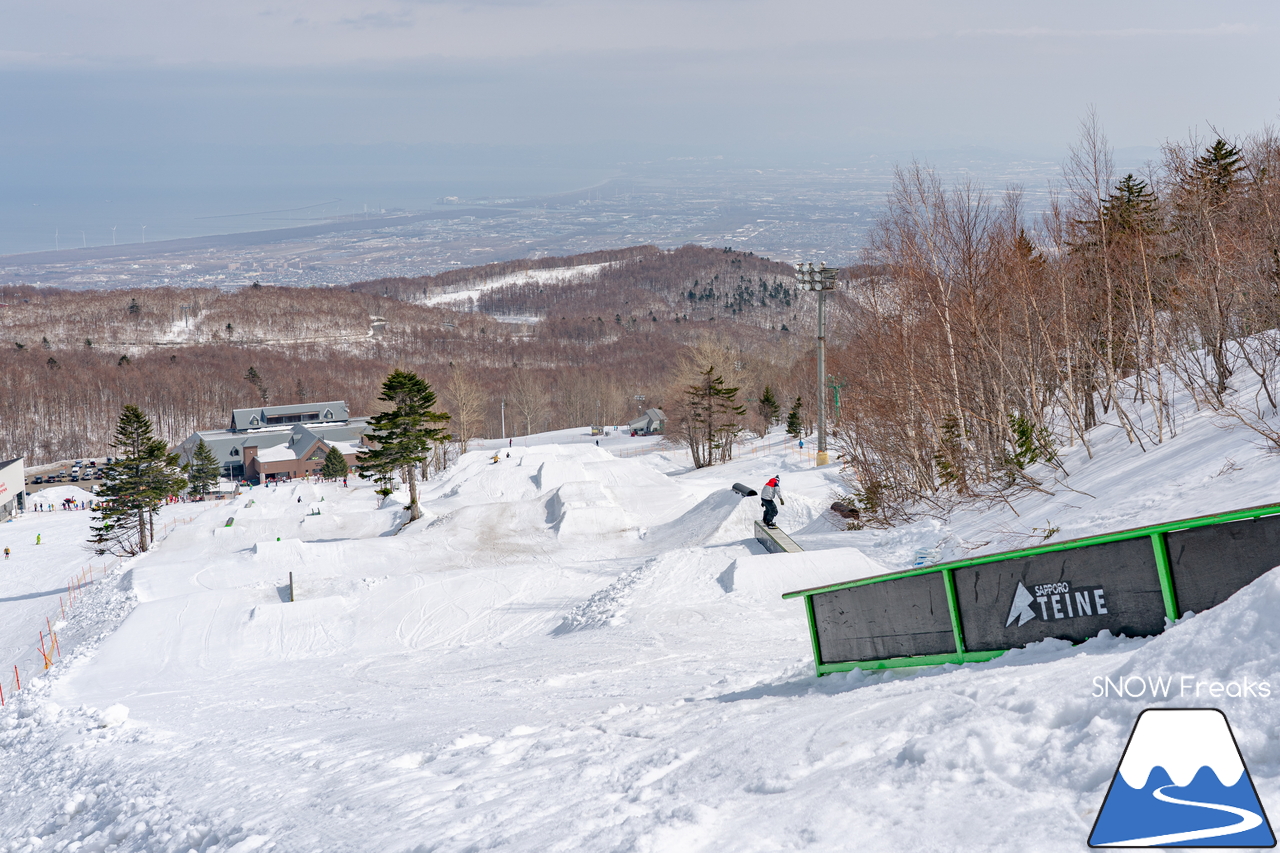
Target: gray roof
x: 263, y: 416
x: 293, y: 437
x: 650, y: 419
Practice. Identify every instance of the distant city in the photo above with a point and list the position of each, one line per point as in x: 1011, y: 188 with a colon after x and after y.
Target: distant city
x: 787, y: 215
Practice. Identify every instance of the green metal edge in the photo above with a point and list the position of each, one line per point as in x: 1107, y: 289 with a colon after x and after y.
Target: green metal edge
x: 900, y: 663
x: 1070, y: 544
x: 1165, y: 571
x: 813, y: 633
x: 953, y: 607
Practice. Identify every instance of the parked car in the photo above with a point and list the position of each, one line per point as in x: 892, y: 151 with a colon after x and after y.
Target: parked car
x: 37, y: 481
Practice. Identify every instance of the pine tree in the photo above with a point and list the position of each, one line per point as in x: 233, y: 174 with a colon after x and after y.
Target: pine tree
x: 1214, y: 172
x: 335, y: 465
x: 133, y: 487
x: 712, y: 420
x: 202, y: 471
x: 1131, y: 207
x: 768, y: 406
x: 256, y: 381
x: 404, y: 435
x: 794, y: 426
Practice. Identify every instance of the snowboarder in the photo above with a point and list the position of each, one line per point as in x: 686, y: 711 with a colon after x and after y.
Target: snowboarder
x: 771, y: 490
x: 37, y: 538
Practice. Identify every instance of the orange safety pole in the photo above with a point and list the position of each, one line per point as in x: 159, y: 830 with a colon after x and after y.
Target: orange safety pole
x: 15, y: 676
x: 62, y: 607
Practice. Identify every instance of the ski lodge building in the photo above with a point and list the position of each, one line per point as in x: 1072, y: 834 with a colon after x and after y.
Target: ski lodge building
x: 13, y: 485
x: 280, y: 442
x: 652, y: 422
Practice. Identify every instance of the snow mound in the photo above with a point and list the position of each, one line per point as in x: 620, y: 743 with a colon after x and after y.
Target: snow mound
x: 57, y: 494
x: 586, y: 510
x: 768, y: 576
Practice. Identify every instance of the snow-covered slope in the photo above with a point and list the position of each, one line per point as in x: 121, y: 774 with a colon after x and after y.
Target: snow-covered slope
x: 574, y: 651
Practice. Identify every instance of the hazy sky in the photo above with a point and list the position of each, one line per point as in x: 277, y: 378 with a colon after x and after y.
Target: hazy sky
x: 82, y: 80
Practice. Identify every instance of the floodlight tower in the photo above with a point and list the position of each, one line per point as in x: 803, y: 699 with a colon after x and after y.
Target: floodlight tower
x: 821, y: 280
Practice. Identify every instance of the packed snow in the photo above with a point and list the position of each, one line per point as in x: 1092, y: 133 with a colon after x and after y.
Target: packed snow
x: 579, y: 650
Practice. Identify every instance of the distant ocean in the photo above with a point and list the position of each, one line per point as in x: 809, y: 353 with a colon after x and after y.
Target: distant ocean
x: 41, y: 219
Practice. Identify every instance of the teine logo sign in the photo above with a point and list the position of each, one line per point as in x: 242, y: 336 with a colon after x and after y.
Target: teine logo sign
x: 1181, y: 783
x: 1053, y: 601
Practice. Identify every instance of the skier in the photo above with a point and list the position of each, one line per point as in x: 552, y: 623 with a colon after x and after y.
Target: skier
x: 771, y: 490
x: 37, y: 538
x: 6, y: 552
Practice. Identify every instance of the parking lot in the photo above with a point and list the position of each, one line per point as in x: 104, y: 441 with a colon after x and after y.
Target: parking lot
x: 86, y: 474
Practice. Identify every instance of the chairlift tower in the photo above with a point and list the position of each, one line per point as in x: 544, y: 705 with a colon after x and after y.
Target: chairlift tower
x: 821, y: 280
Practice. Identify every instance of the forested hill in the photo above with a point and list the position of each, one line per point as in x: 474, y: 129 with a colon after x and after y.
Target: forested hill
x: 564, y: 341
x: 639, y: 284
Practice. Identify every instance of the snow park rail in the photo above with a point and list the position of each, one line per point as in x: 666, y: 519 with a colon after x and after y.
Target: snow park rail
x: 1132, y: 582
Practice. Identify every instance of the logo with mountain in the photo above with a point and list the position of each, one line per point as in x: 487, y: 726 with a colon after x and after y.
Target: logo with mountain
x: 1053, y: 601
x: 1182, y: 783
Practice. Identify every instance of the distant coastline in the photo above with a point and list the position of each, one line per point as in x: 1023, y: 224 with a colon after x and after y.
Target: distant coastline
x: 239, y: 238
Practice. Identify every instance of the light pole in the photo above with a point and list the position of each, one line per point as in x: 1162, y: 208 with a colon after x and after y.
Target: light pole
x: 820, y: 280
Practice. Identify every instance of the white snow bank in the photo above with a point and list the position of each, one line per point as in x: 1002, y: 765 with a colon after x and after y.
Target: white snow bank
x: 58, y: 494
x: 768, y: 576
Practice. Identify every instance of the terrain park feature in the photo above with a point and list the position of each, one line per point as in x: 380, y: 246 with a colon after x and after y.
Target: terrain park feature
x: 1129, y: 582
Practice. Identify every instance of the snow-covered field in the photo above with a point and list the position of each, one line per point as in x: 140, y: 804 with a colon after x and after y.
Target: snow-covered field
x: 554, y: 275
x: 576, y: 651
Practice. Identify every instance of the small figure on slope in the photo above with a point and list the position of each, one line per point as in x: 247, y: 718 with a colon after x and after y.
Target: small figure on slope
x: 771, y: 492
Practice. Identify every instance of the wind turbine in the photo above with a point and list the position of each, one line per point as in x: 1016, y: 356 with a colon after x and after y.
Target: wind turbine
x: 56, y: 247
x: 84, y: 244
x: 144, y: 233
x: 113, y: 234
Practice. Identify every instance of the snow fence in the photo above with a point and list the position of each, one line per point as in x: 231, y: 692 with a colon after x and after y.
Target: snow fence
x: 1133, y: 582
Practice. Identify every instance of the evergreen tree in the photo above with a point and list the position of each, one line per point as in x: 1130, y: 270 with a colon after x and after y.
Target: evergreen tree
x: 768, y: 406
x: 1131, y: 207
x: 133, y: 487
x: 794, y: 426
x: 404, y: 435
x: 255, y: 379
x: 1214, y: 172
x: 712, y: 419
x: 335, y: 465
x: 202, y: 471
